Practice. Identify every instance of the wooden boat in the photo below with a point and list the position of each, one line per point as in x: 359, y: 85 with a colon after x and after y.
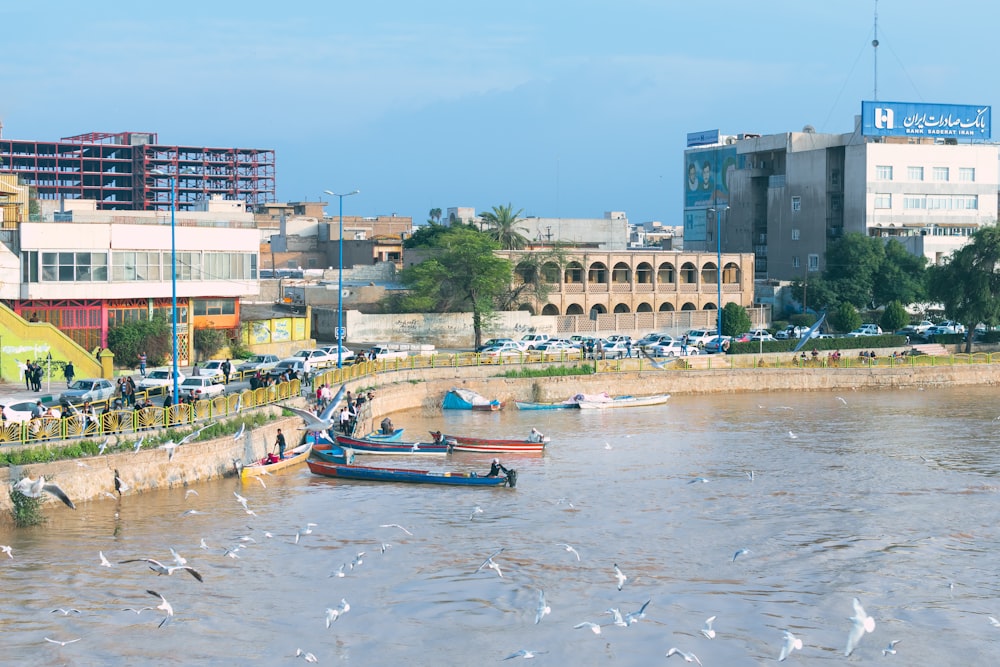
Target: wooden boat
x: 464, y: 399
x: 367, y: 473
x: 460, y: 443
x: 624, y: 402
x: 294, y: 457
x: 384, y: 437
x: 571, y: 403
x: 364, y: 446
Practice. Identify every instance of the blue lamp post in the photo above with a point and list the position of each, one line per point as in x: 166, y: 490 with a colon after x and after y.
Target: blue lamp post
x: 173, y: 272
x: 340, y: 276
x: 718, y: 265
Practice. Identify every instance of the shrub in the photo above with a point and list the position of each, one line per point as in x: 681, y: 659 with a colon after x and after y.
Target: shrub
x: 207, y: 342
x: 128, y: 339
x: 25, y: 511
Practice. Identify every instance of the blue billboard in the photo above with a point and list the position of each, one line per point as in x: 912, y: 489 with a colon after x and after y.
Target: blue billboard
x: 916, y: 119
x: 703, y: 138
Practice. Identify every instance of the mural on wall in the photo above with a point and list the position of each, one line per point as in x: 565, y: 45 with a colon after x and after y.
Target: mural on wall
x: 281, y: 330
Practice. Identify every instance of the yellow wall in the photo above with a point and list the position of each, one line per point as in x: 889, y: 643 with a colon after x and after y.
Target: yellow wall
x: 21, y: 340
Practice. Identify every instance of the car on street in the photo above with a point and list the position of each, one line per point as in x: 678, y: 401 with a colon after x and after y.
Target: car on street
x: 258, y: 362
x: 556, y: 347
x: 89, y: 389
x: 718, y: 344
x: 345, y: 354
x: 614, y: 338
x: 940, y: 329
x: 202, y: 387
x: 212, y: 369
x: 21, y: 411
x: 673, y: 348
x: 297, y: 365
x: 792, y: 331
x: 699, y: 337
x: 654, y: 339
x: 509, y: 349
x: 497, y: 341
x: 865, y: 330
x: 532, y: 341
x: 757, y: 335
x: 157, y: 379
x: 616, y: 350
x: 316, y: 358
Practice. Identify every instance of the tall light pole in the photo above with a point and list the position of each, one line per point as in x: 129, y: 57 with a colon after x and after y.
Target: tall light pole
x: 173, y: 272
x: 718, y: 264
x: 340, y: 277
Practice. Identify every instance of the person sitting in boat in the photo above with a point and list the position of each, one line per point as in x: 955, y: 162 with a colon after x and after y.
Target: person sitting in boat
x: 387, y: 427
x: 535, y: 435
x: 496, y: 468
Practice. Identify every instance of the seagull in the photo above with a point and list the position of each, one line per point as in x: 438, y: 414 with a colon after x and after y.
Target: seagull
x: 616, y: 614
x: 325, y: 421
x: 569, y: 549
x: 190, y: 492
x: 636, y: 616
x: 357, y: 560
x: 66, y: 612
x: 862, y: 623
x: 792, y: 643
x: 385, y: 547
x: 593, y: 627
x: 138, y: 444
x: 607, y: 445
x: 309, y: 528
x: 192, y: 435
x: 688, y: 657
x: 306, y: 655
x: 395, y: 525
x: 170, y: 447
x: 994, y: 622
x: 750, y: 475
x: 104, y: 561
x: 620, y: 576
x: 7, y: 549
x: 524, y: 653
x: 475, y: 510
x: 204, y: 544
x: 164, y: 605
x: 891, y: 648
x: 490, y: 564
x: 137, y: 611
x: 708, y: 631
x: 120, y: 486
x: 792, y: 435
x: 35, y: 488
x: 232, y: 552
x: 740, y: 552
x: 191, y: 513
x: 333, y: 614
x: 180, y: 560
x: 839, y: 398
x: 159, y: 568
x: 542, y: 607
x: 340, y: 571
x: 241, y: 432
x: 241, y: 500
x: 108, y: 494
x: 103, y: 446
x: 56, y: 641
x: 696, y: 480
x: 261, y: 480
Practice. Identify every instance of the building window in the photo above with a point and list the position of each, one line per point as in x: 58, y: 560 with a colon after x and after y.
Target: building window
x: 915, y: 173
x: 914, y: 201
x: 795, y: 235
x: 29, y: 266
x: 795, y: 262
x: 968, y: 202
x: 883, y: 200
x: 940, y: 173
x: 883, y: 172
x: 836, y: 204
x: 188, y: 266
x: 967, y: 174
x: 126, y: 266
x: 214, y: 307
x: 796, y: 204
x: 834, y: 178
x: 813, y: 262
x: 70, y: 267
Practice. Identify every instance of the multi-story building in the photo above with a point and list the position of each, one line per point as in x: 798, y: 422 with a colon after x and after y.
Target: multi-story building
x: 785, y: 196
x: 133, y: 171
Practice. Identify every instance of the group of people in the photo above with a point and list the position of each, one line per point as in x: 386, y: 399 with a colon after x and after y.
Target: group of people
x: 32, y: 375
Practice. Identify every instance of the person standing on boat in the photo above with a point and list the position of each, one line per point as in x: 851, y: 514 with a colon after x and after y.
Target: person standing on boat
x: 496, y: 468
x: 535, y: 435
x: 279, y: 442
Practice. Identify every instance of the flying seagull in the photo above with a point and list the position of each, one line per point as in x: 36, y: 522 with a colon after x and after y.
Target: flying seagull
x: 740, y: 552
x: 305, y: 655
x: 543, y: 608
x: 7, y: 549
x: 34, y: 488
x: 488, y: 563
x: 792, y: 643
x: 333, y: 614
x: 524, y: 653
x: 688, y: 657
x: 395, y: 525
x: 325, y: 421
x: 239, y: 434
x: 164, y: 605
x: 708, y: 630
x: 861, y: 623
x: 56, y: 641
x: 569, y: 549
x: 593, y: 627
x: 620, y: 576
x: 636, y: 616
x: 104, y: 561
x: 891, y: 648
x: 159, y: 568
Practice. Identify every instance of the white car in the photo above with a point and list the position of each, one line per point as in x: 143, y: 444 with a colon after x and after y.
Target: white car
x: 865, y: 330
x: 532, y: 341
x: 510, y: 349
x: 212, y: 369
x: 21, y: 412
x: 258, y: 362
x: 202, y: 387
x: 557, y: 347
x: 345, y: 354
x: 316, y: 358
x: 760, y: 335
x: 673, y: 348
x: 157, y: 379
x: 700, y: 336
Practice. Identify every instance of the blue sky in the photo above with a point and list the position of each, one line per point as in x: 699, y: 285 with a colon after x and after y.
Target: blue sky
x: 563, y: 109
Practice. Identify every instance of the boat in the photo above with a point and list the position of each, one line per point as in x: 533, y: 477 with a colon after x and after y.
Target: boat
x: 625, y: 402
x: 571, y: 403
x: 393, y: 436
x: 464, y: 399
x: 461, y: 443
x: 364, y: 446
x: 347, y: 470
x: 271, y: 463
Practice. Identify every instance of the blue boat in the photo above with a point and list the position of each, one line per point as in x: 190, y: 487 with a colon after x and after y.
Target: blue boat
x: 363, y: 446
x: 464, y: 399
x: 346, y: 470
x: 394, y: 436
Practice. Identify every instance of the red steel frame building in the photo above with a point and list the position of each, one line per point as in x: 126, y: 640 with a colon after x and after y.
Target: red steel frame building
x: 115, y: 170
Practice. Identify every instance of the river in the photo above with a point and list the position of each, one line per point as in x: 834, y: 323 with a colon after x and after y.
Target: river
x: 889, y: 497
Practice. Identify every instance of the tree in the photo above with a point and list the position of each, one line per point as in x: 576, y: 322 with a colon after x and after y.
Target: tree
x: 207, y: 342
x: 128, y: 339
x: 968, y: 284
x: 503, y: 227
x: 844, y: 317
x: 427, y: 236
x: 735, y: 320
x: 529, y: 282
x: 465, y: 275
x: 901, y: 277
x: 434, y: 216
x: 895, y: 317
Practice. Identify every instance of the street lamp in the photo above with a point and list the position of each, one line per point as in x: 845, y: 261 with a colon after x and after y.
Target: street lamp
x: 718, y: 265
x: 340, y: 276
x: 173, y: 271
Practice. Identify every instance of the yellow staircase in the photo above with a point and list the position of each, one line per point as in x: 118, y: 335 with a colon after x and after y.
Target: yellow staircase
x: 21, y: 340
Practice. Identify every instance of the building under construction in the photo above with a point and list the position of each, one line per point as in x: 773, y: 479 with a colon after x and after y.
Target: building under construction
x: 132, y: 171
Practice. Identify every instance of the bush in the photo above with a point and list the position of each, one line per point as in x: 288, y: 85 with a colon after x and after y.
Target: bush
x: 207, y: 342
x: 25, y: 511
x: 895, y: 317
x: 128, y: 339
x: 735, y: 320
x: 859, y: 343
x: 845, y: 318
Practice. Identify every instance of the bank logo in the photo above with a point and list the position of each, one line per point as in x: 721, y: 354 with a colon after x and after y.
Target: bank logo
x: 884, y: 118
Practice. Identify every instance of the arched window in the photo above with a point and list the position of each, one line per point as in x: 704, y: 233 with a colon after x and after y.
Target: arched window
x: 574, y: 309
x: 598, y: 308
x: 689, y: 273
x: 550, y: 272
x: 573, y: 273
x: 710, y: 273
x: 731, y: 274
x: 644, y: 308
x: 666, y: 273
x: 666, y: 307
x: 644, y: 273
x: 622, y: 273
x: 527, y: 307
x: 689, y: 306
x: 622, y: 308
x: 598, y: 273
x: 550, y: 309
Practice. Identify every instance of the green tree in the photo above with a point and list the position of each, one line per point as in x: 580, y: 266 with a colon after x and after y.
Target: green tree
x: 844, y: 317
x: 503, y: 227
x: 735, y: 320
x: 427, y: 236
x: 464, y: 275
x: 207, y: 342
x: 128, y: 339
x: 895, y: 317
x: 900, y: 277
x: 530, y: 283
x: 852, y: 263
x: 968, y: 283
x: 434, y: 217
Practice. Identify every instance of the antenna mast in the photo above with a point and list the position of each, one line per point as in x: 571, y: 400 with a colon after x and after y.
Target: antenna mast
x: 875, y: 49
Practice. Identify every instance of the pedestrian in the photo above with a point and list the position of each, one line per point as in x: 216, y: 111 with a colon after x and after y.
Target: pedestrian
x: 279, y: 442
x: 142, y: 364
x: 129, y: 391
x: 226, y: 368
x: 29, y: 369
x: 628, y: 349
x: 88, y: 415
x: 68, y: 372
x: 37, y: 377
x: 345, y: 419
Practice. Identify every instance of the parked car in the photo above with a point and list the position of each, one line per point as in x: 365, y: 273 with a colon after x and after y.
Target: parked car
x: 509, y: 349
x: 865, y: 330
x: 673, y: 348
x: 699, y: 337
x: 158, y: 379
x: 21, y: 411
x: 345, y: 354
x: 756, y: 335
x: 258, y: 362
x: 922, y: 326
x: 792, y: 331
x: 297, y: 365
x: 557, y: 347
x: 383, y: 353
x: 654, y: 339
x: 941, y: 329
x: 614, y: 338
x: 495, y: 341
x: 90, y: 389
x: 202, y: 387
x: 534, y: 340
x: 616, y: 350
x: 212, y: 369
x: 717, y: 344
x: 315, y: 358
x: 956, y: 327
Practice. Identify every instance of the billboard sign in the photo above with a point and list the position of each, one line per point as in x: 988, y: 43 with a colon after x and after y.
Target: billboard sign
x: 913, y: 119
x: 703, y: 138
x: 707, y: 173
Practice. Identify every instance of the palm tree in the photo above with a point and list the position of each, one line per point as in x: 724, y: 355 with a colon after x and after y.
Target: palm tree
x: 503, y: 227
x: 434, y: 215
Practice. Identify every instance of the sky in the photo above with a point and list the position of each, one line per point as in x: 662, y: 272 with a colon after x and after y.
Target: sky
x: 560, y: 108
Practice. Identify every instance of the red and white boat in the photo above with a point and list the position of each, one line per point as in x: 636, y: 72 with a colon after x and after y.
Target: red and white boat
x: 461, y: 443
